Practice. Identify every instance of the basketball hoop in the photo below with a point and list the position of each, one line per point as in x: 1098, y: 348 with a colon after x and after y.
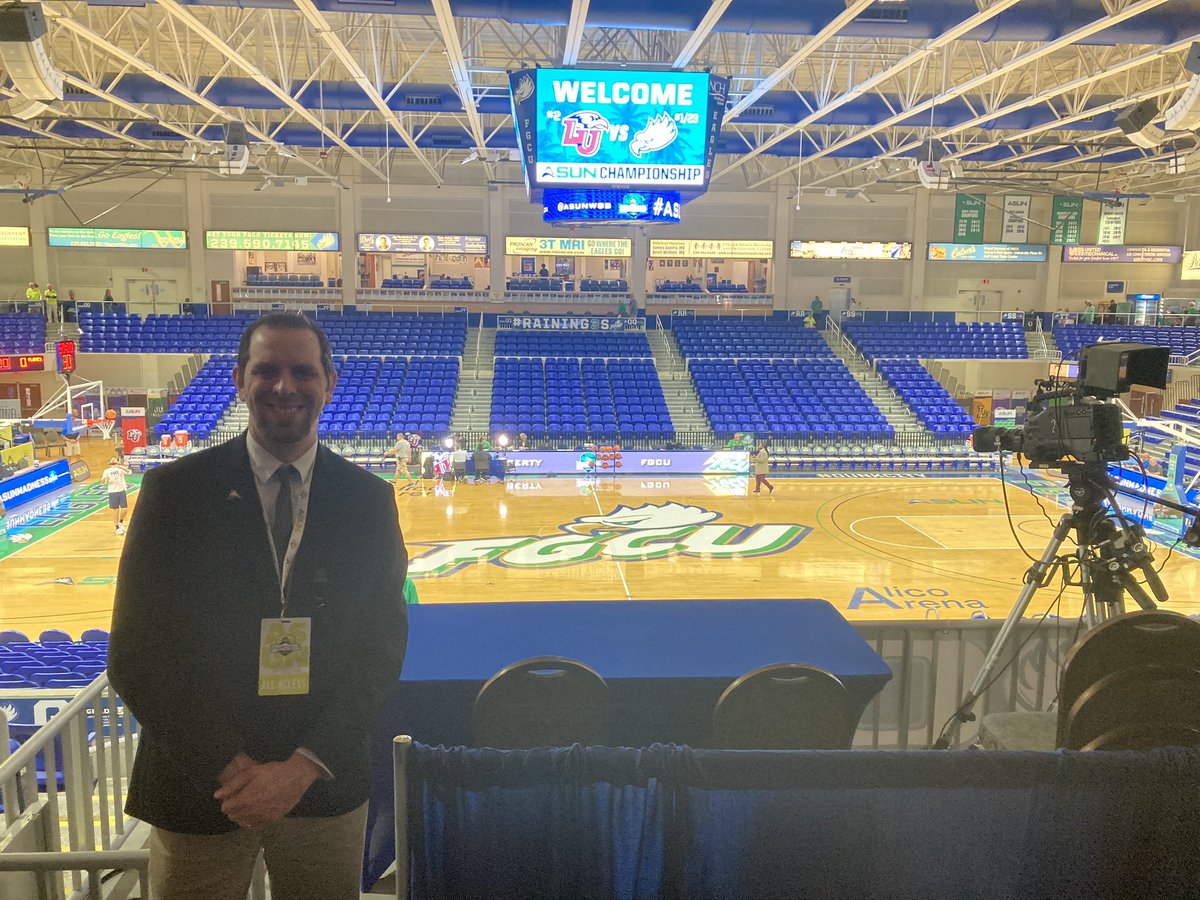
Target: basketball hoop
x: 105, y: 426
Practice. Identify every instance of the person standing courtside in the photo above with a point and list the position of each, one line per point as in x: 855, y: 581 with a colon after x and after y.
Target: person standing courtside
x: 402, y: 450
x: 259, y: 626
x: 762, y: 465
x: 50, y: 296
x: 113, y: 478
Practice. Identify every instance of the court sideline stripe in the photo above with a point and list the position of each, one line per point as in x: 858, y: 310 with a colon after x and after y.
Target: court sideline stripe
x: 616, y: 562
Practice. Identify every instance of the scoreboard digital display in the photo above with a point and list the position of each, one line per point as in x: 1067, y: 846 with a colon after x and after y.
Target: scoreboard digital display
x: 619, y: 129
x: 29, y: 362
x: 65, y: 352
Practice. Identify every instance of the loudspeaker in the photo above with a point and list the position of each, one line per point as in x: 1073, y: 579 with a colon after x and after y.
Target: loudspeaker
x: 1191, y: 62
x: 1137, y: 117
x: 22, y: 23
x: 235, y: 133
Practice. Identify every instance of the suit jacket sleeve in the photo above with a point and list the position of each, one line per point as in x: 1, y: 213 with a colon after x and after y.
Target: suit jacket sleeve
x: 345, y: 722
x: 150, y: 662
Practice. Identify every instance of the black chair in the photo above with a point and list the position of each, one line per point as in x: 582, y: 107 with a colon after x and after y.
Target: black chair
x: 785, y: 706
x: 547, y: 701
x: 1126, y: 642
x: 1137, y: 708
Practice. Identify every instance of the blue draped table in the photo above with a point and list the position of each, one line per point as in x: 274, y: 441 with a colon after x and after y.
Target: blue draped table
x: 671, y: 823
x: 666, y: 663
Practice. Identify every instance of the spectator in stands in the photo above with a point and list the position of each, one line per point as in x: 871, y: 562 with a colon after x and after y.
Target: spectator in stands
x: 622, y: 309
x: 51, y: 297
x: 1110, y: 314
x: 1192, y: 313
x: 108, y: 297
x: 1089, y: 313
x: 113, y: 478
x: 522, y: 441
x: 809, y: 321
x: 762, y: 466
x: 483, y: 463
x: 543, y: 272
x: 33, y: 296
x: 458, y: 462
x: 402, y: 450
x: 245, y: 745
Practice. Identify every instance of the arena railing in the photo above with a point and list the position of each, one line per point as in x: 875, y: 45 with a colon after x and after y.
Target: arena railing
x: 73, y: 829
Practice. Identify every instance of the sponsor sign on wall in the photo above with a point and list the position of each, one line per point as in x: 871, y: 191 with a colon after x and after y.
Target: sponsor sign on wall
x: 570, y: 323
x: 850, y: 250
x: 563, y: 246
x: 987, y: 252
x: 14, y: 236
x: 271, y: 240
x: 468, y: 244
x: 1126, y: 253
x: 710, y: 249
x: 1190, y: 270
x: 118, y: 238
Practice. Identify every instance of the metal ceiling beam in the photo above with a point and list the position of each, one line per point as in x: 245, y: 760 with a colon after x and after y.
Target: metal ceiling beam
x: 971, y: 84
x: 700, y: 35
x: 822, y: 37
x: 141, y: 65
x: 131, y: 108
x: 877, y: 80
x: 459, y: 72
x: 573, y: 37
x: 188, y: 18
x: 321, y: 26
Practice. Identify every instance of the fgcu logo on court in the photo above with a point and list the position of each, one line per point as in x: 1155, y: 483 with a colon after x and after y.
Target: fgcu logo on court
x: 649, y: 532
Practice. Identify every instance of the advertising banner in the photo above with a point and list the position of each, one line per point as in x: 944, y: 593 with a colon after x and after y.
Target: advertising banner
x: 570, y: 323
x: 118, y: 238
x: 624, y: 128
x: 633, y: 462
x: 1113, y: 216
x: 1127, y: 253
x: 1066, y: 220
x: 850, y: 250
x: 1190, y: 270
x: 969, y: 211
x: 29, y: 484
x: 564, y: 246
x: 1016, y: 218
x: 467, y: 244
x: 14, y: 236
x: 611, y: 206
x: 133, y: 427
x: 710, y: 249
x: 987, y: 252
x: 271, y: 240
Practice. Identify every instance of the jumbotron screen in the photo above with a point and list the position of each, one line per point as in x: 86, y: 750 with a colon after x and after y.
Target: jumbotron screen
x: 580, y: 128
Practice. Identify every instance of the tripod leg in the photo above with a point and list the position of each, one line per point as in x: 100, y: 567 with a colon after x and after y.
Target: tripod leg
x: 1033, y: 579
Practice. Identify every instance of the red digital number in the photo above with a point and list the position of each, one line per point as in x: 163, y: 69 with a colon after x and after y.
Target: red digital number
x: 5, y: 363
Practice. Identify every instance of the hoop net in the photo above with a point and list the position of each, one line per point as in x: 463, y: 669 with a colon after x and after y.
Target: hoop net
x: 104, y: 426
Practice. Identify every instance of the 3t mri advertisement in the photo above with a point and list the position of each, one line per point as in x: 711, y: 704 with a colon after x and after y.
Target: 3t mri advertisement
x: 580, y: 128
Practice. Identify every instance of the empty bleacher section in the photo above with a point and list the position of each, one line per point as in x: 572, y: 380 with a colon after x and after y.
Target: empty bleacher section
x: 518, y: 285
x: 574, y: 399
x: 204, y: 400
x: 932, y: 404
x: 50, y: 663
x: 360, y: 334
x: 376, y: 398
x: 439, y: 283
x: 939, y: 340
x: 786, y: 399
x: 691, y: 287
x: 749, y: 338
x: 605, y: 285
x: 1183, y: 340
x: 285, y: 281
x: 590, y: 344
x: 22, y: 333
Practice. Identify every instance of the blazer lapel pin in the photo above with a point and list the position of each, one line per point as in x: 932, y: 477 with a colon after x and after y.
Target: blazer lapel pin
x: 234, y: 495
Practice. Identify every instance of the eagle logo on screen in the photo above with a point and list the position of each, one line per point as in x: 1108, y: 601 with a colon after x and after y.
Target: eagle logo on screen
x: 524, y: 89
x: 584, y: 131
x: 660, y: 132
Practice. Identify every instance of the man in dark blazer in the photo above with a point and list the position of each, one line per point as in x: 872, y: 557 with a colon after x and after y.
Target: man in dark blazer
x: 259, y: 626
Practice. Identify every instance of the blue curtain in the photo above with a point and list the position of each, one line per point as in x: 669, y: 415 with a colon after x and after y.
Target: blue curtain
x: 671, y: 822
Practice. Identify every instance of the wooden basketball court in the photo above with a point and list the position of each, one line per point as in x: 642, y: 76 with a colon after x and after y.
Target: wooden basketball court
x: 875, y: 547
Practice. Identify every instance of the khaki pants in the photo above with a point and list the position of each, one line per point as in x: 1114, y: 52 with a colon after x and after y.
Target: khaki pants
x: 307, y: 859
x: 402, y: 472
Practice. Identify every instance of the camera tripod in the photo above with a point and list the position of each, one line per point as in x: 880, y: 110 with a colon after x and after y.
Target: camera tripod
x: 1106, y: 555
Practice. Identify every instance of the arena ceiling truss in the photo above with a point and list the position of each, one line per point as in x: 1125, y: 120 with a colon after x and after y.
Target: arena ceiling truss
x: 848, y: 95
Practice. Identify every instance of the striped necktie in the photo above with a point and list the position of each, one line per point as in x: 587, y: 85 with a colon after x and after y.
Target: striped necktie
x: 281, y: 528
